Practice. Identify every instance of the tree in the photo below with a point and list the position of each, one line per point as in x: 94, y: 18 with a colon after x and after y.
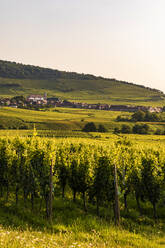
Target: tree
x: 138, y: 116
x: 116, y: 130
x: 102, y: 129
x: 145, y: 116
x: 158, y: 131
x: 126, y: 129
x: 2, y: 126
x: 152, y: 116
x: 89, y: 127
x: 141, y: 129
x: 18, y: 98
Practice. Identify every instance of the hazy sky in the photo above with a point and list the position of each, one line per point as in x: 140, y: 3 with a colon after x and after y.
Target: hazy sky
x: 122, y: 39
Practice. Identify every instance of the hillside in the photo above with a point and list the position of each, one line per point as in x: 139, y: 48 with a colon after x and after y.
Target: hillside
x: 19, y: 79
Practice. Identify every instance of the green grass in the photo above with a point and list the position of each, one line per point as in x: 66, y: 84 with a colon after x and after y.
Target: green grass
x: 21, y: 227
x: 90, y: 91
x: 65, y: 119
x: 58, y: 119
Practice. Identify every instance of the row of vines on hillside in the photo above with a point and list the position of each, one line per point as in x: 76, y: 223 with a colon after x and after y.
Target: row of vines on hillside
x: 32, y: 168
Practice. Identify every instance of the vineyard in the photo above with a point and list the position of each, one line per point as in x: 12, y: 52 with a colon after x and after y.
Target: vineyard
x: 64, y: 184
x: 33, y: 169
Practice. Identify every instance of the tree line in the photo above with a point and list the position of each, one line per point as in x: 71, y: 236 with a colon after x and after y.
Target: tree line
x: 143, y: 116
x: 136, y: 129
x: 17, y: 70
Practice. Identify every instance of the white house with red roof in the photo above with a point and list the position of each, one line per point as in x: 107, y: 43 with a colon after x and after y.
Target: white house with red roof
x: 37, y: 98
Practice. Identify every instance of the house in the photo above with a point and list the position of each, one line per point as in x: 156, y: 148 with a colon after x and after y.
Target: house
x: 155, y: 109
x: 13, y: 106
x: 37, y: 99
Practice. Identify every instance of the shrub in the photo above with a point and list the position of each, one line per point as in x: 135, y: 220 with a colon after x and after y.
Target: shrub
x: 2, y: 126
x: 24, y: 126
x: 122, y: 118
x: 126, y: 129
x: 138, y: 116
x: 145, y: 116
x: 116, y: 130
x: 158, y: 132
x: 102, y: 129
x: 89, y: 127
x: 141, y: 129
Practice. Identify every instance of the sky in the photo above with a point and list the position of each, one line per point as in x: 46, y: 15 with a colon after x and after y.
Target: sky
x: 122, y: 39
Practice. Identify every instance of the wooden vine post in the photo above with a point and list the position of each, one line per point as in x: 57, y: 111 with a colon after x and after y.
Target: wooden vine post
x: 50, y: 192
x: 117, y: 205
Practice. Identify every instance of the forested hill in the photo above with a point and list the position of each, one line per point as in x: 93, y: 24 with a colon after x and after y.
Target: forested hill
x: 17, y: 70
x: 16, y: 79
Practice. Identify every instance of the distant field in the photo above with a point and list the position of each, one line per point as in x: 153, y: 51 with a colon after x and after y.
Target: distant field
x: 58, y: 118
x: 68, y: 119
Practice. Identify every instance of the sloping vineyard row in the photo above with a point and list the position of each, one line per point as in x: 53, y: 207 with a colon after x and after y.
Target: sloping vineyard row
x: 32, y: 168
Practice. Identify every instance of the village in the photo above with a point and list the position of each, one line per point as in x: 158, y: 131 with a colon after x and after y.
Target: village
x: 38, y: 102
